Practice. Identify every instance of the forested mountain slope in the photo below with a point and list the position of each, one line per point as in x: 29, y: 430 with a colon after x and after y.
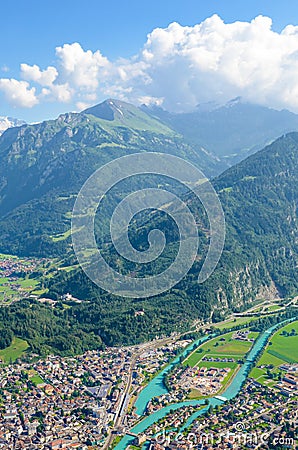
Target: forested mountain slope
x: 43, y: 166
x: 259, y: 197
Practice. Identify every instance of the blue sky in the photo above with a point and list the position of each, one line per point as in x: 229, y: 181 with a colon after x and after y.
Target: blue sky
x: 32, y: 30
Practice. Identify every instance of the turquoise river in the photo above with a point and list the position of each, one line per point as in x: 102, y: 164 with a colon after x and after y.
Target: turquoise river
x: 156, y: 388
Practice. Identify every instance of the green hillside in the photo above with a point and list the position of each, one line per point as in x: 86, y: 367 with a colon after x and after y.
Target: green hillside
x: 259, y: 197
x: 43, y: 166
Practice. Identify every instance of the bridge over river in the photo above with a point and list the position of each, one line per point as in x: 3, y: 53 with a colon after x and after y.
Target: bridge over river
x: 156, y: 385
x: 221, y: 398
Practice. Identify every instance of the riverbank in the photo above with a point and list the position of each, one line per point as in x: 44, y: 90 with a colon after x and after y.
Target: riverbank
x: 230, y: 392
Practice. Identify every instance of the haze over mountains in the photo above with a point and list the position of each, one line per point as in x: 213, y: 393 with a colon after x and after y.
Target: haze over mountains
x: 43, y: 166
x: 231, y: 131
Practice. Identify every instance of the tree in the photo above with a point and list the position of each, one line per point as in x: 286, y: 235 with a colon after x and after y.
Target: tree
x: 6, y: 336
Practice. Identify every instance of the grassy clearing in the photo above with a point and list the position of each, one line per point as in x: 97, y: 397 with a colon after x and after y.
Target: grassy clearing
x: 268, y: 359
x: 286, y: 346
x: 234, y: 348
x: 6, y: 290
x: 235, y: 322
x: 256, y: 373
x: 272, y: 308
x: 69, y: 268
x: 14, y: 351
x: 195, y: 394
x: 282, y: 357
x: 6, y: 256
x: 39, y: 291
x: 36, y: 379
x: 3, y: 280
x: 253, y: 335
x: 226, y: 345
x: 61, y: 236
x: 28, y: 283
x: 258, y: 309
x: 193, y: 359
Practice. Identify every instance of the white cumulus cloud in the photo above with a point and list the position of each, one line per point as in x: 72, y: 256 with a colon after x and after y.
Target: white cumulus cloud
x: 34, y: 73
x: 62, y: 93
x: 18, y: 93
x: 217, y: 61
x: 178, y: 67
x: 79, y: 67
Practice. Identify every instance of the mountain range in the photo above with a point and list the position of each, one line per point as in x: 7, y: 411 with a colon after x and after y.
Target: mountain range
x: 44, y: 165
x: 232, y: 131
x: 259, y: 198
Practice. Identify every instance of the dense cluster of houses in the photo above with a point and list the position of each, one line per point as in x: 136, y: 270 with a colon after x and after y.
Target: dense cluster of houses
x: 72, y: 403
x: 12, y: 270
x: 10, y: 266
x: 257, y: 417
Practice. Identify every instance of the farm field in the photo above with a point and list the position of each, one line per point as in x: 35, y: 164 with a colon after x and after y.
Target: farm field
x: 282, y: 349
x: 217, y: 364
x: 223, y: 346
x: 286, y: 346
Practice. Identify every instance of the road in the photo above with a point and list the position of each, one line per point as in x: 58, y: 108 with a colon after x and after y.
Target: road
x: 122, y: 409
x: 140, y: 349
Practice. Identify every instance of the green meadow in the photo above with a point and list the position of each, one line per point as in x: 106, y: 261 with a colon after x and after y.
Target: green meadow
x: 220, y: 347
x: 14, y: 351
x: 235, y: 322
x: 282, y: 348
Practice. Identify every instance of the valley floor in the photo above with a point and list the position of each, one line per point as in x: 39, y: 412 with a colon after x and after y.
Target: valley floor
x: 82, y: 401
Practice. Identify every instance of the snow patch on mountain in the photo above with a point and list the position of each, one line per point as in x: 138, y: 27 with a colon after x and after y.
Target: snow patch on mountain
x: 9, y: 122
